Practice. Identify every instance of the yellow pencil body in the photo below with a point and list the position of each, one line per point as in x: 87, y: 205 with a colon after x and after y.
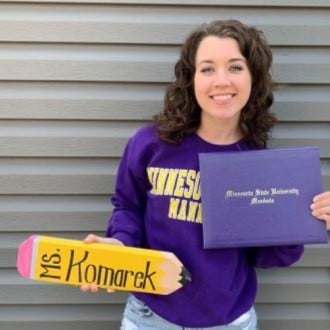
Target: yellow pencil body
x: 74, y: 262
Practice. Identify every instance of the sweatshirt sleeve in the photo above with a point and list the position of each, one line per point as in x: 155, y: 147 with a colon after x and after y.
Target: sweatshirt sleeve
x: 275, y: 256
x: 127, y: 221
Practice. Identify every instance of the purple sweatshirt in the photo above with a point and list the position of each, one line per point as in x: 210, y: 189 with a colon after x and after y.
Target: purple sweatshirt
x: 156, y: 183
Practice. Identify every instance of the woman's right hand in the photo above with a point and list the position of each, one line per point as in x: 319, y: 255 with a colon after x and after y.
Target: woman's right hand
x: 89, y: 239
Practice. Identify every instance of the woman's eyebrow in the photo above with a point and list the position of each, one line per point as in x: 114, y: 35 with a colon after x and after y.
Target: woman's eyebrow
x: 235, y: 59
x: 242, y: 59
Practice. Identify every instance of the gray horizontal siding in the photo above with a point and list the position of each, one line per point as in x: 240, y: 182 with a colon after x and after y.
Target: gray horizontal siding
x: 119, y: 64
x: 294, y: 316
x: 138, y: 24
x: 78, y: 78
x: 250, y: 3
x: 308, y: 103
x: 79, y: 100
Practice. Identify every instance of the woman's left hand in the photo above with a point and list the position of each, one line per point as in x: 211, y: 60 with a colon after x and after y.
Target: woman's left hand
x: 321, y: 207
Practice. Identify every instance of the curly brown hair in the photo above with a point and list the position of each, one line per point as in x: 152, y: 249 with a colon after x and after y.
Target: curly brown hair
x: 181, y: 113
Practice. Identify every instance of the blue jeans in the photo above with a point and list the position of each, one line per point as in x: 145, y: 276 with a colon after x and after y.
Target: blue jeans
x: 138, y: 316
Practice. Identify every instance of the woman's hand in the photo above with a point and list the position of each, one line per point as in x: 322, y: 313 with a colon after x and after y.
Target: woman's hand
x: 321, y: 207
x: 91, y: 238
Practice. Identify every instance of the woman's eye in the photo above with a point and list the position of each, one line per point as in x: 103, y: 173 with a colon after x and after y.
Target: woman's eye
x: 207, y: 70
x: 236, y: 68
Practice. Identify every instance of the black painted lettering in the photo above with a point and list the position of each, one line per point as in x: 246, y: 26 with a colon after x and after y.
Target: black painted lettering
x: 105, y: 276
x: 75, y: 266
x: 49, y: 268
x: 54, y: 258
x: 138, y: 280
x: 90, y: 274
x: 147, y: 277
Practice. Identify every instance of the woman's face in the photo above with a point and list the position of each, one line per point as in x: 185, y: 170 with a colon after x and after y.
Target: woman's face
x: 222, y: 80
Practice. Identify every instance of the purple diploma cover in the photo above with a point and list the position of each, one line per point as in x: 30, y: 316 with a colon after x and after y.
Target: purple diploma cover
x: 261, y: 197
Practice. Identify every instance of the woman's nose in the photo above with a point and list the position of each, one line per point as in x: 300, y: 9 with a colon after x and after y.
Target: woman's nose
x: 222, y: 78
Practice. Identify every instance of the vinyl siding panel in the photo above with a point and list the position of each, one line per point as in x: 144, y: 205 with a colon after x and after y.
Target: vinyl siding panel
x: 137, y: 24
x: 78, y: 78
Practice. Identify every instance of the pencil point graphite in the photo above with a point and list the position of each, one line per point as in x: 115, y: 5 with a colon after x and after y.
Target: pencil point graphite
x: 74, y: 262
x: 185, y: 276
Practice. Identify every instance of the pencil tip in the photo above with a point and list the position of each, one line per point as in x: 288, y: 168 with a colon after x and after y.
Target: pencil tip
x: 185, y: 276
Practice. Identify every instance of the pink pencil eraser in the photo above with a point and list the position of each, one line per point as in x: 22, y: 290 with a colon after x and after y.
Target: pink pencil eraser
x: 25, y: 256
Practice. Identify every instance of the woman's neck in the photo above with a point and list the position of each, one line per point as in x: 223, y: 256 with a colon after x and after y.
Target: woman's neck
x: 220, y: 135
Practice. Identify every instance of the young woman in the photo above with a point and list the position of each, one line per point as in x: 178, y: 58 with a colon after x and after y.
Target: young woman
x: 220, y: 101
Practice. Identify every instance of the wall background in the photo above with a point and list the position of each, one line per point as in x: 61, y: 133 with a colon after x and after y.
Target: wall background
x: 77, y: 78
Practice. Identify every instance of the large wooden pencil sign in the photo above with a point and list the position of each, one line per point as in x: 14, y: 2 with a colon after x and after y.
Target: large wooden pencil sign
x: 67, y: 261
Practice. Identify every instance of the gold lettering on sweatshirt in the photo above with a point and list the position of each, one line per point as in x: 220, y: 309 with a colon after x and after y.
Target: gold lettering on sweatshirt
x: 183, y: 188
